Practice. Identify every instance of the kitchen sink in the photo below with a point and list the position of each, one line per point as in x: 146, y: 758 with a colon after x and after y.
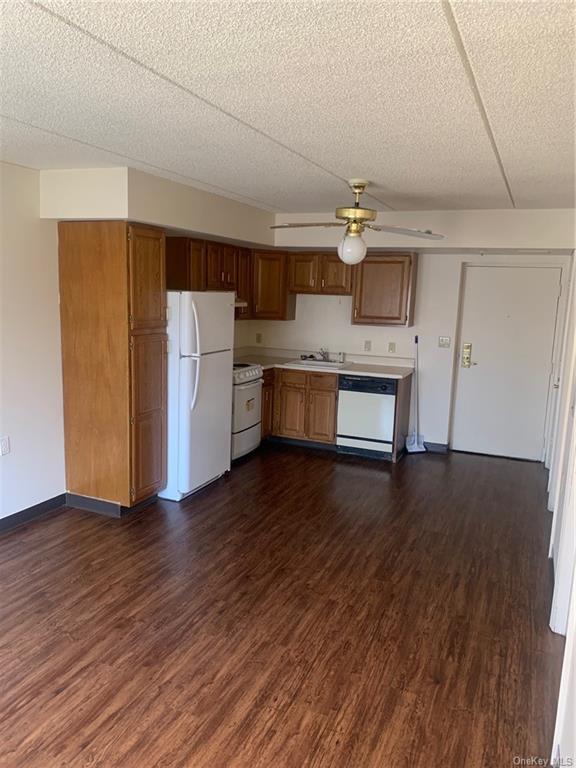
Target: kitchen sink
x: 329, y: 364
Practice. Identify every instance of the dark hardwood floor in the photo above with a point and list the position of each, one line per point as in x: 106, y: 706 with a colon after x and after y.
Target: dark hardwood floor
x: 307, y: 610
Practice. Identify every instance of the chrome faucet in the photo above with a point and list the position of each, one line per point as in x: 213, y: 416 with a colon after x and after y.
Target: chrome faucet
x: 324, y: 354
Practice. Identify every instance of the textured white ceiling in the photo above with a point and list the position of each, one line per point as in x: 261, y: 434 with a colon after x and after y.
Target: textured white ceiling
x: 277, y: 102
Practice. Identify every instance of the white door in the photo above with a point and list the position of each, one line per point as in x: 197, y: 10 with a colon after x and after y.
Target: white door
x: 206, y: 322
x: 508, y: 317
x: 205, y: 419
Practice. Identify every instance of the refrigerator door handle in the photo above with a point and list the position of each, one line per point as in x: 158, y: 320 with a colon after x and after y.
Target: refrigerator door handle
x: 196, y: 384
x: 196, y: 327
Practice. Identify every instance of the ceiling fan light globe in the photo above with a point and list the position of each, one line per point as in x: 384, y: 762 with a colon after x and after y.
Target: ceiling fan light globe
x: 351, y: 249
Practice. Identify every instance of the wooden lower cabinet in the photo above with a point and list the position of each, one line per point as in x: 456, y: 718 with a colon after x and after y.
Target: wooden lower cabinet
x: 305, y: 405
x: 292, y: 406
x: 113, y: 332
x: 267, y: 404
x: 321, y: 416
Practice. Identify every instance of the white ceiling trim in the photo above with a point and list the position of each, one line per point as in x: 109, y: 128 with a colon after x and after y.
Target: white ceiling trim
x: 137, y: 62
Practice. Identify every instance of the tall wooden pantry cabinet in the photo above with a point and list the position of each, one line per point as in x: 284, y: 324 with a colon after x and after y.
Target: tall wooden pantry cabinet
x: 113, y: 324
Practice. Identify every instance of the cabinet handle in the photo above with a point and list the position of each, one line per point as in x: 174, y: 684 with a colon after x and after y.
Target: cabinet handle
x: 310, y: 398
x: 323, y: 282
x: 222, y: 277
x: 355, y: 311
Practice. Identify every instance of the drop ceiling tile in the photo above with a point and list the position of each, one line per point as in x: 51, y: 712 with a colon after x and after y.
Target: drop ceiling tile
x: 522, y: 55
x: 386, y: 99
x: 57, y: 79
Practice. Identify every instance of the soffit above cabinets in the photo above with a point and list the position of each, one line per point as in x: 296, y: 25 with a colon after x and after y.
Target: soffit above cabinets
x: 457, y: 106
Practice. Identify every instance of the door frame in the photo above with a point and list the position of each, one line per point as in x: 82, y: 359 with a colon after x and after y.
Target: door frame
x: 554, y: 261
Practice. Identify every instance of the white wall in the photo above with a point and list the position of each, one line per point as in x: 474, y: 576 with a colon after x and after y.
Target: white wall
x: 30, y: 374
x: 324, y: 321
x: 125, y: 193
x: 155, y: 200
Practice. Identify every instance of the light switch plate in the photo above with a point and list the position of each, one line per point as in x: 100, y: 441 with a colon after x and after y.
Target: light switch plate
x: 391, y: 346
x: 367, y: 345
x: 258, y: 338
x: 444, y: 342
x: 4, y: 446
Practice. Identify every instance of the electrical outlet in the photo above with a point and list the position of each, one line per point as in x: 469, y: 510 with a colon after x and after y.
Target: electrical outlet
x: 367, y: 345
x: 4, y: 446
x: 444, y: 342
x: 258, y: 338
x: 391, y: 346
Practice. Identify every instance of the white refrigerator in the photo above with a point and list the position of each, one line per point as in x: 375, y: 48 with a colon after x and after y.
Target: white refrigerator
x: 200, y: 341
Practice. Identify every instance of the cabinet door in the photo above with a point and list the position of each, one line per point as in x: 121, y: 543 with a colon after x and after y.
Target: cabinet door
x: 267, y: 409
x: 384, y: 290
x: 321, y: 415
x: 185, y: 264
x: 228, y: 267
x: 336, y: 276
x: 292, y: 412
x: 214, y: 267
x: 197, y: 265
x: 244, y: 282
x: 271, y: 301
x: 303, y: 273
x: 148, y: 415
x: 146, y: 270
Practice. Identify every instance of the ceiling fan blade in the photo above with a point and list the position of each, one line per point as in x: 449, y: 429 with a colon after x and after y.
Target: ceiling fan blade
x: 317, y: 224
x: 426, y: 234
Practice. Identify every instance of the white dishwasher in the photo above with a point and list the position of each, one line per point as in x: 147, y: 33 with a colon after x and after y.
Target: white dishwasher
x: 366, y: 411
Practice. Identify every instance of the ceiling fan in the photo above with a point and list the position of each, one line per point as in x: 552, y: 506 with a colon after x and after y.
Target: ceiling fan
x: 352, y: 248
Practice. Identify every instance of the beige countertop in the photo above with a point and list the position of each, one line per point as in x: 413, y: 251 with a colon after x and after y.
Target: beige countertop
x: 358, y: 369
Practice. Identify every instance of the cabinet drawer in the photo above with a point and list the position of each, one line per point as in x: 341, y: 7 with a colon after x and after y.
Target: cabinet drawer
x: 293, y: 378
x: 268, y: 376
x: 323, y: 380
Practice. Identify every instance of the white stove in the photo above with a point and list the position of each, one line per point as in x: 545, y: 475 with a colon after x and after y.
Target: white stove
x: 244, y: 372
x: 246, y: 408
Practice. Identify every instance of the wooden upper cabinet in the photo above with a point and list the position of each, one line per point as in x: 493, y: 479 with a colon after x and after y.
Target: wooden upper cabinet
x: 148, y: 414
x: 384, y: 288
x: 322, y: 273
x: 185, y: 264
x: 336, y: 277
x: 147, y: 283
x: 303, y: 273
x: 214, y: 271
x: 244, y: 282
x: 270, y: 287
x: 220, y: 267
x: 229, y: 267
